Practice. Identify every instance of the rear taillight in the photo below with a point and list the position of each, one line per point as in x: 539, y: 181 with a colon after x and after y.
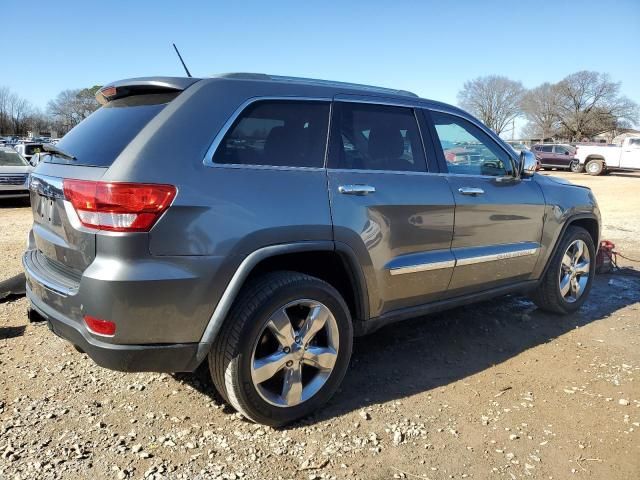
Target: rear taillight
x: 99, y: 326
x: 118, y: 207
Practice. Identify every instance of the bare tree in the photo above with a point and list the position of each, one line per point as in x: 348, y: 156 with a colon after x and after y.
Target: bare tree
x: 540, y: 108
x: 590, y: 103
x: 493, y: 99
x: 70, y: 107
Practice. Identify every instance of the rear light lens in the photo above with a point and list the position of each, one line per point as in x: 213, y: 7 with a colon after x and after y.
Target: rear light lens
x: 100, y: 327
x: 118, y: 207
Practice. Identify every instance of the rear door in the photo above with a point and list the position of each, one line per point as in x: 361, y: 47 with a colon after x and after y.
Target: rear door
x: 630, y: 156
x: 386, y: 207
x: 498, y: 217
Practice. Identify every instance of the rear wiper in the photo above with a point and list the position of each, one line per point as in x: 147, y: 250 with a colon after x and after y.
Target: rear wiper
x: 56, y: 151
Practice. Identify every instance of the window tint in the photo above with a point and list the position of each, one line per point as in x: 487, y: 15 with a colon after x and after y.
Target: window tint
x: 278, y: 133
x: 546, y: 148
x: 634, y: 142
x: 376, y: 137
x: 560, y: 149
x: 467, y: 149
x: 102, y: 136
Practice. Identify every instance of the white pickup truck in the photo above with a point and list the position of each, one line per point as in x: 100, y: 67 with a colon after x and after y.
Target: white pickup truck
x: 596, y: 160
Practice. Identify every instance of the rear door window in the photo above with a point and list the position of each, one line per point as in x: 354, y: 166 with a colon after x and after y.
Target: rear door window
x: 286, y: 133
x: 376, y: 137
x: 102, y: 136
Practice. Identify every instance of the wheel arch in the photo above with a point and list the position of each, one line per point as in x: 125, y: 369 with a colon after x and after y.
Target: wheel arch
x: 330, y: 261
x: 587, y: 221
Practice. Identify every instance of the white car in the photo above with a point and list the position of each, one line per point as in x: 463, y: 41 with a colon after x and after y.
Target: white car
x: 14, y: 174
x: 27, y: 150
x: 597, y: 159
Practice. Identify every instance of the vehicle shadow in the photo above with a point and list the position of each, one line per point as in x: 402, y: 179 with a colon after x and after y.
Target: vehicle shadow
x: 425, y: 353
x: 12, y: 332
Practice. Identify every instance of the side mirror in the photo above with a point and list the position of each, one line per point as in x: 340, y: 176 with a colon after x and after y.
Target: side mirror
x: 528, y: 164
x: 566, y: 153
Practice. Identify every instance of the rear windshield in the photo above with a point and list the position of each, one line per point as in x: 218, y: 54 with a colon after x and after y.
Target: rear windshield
x: 11, y: 159
x: 101, y: 137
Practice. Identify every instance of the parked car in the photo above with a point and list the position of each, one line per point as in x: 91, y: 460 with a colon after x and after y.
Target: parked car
x: 216, y: 220
x: 597, y: 160
x: 14, y: 173
x: 27, y: 150
x: 556, y: 156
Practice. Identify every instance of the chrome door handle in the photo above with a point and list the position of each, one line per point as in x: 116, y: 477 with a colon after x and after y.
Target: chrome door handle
x: 471, y: 191
x: 356, y: 189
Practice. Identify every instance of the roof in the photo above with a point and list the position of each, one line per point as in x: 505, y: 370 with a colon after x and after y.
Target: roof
x: 313, y: 82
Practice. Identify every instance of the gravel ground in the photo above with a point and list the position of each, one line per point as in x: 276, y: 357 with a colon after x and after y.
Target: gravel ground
x: 495, y: 390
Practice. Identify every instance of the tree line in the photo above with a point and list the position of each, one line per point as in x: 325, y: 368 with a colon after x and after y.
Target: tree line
x: 576, y: 108
x: 18, y: 116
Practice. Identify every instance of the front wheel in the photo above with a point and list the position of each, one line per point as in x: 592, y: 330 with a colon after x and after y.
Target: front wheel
x: 567, y: 281
x: 284, y: 349
x: 576, y: 167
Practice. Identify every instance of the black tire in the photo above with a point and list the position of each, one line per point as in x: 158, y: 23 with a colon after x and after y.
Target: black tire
x: 230, y: 359
x: 594, y: 167
x: 547, y: 295
x: 576, y: 167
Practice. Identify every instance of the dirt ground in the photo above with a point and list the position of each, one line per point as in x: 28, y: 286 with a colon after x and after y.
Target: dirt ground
x: 495, y: 390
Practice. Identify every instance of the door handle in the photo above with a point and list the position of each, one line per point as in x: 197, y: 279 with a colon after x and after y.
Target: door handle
x: 471, y: 191
x: 356, y: 189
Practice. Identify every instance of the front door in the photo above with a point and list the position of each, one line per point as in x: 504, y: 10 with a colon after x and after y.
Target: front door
x: 386, y: 207
x: 498, y: 217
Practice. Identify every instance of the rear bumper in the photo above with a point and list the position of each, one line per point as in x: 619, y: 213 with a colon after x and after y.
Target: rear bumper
x: 179, y: 357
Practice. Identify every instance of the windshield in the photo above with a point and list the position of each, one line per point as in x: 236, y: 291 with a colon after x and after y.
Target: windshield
x: 11, y: 159
x: 102, y: 136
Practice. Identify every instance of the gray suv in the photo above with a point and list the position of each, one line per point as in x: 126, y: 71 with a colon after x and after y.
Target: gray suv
x: 258, y: 223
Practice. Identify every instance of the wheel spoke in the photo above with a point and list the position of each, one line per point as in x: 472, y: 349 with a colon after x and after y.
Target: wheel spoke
x: 322, y: 358
x: 266, y: 367
x: 579, y: 251
x: 314, y: 322
x: 292, y: 386
x: 280, y: 326
x: 575, y: 288
x: 582, y: 268
x: 565, y: 285
x: 566, y: 260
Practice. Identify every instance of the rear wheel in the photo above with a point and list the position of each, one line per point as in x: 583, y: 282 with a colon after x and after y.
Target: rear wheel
x: 568, y: 279
x: 284, y: 349
x: 594, y: 167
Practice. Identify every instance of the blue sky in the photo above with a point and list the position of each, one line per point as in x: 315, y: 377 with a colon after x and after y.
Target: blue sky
x: 428, y: 47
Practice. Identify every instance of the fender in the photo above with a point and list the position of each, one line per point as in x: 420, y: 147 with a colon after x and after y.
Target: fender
x: 566, y: 224
x: 247, y: 265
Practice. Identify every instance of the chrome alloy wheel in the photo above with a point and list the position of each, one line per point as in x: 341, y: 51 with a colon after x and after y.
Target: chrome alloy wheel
x: 574, y: 271
x: 295, y: 353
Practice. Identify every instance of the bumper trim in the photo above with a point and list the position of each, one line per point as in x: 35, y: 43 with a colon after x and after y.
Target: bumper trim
x: 179, y: 357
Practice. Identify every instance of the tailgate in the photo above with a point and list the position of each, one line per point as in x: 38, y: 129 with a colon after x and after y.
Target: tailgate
x: 60, y: 242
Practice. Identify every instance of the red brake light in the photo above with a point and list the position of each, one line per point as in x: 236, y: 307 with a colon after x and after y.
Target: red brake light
x: 101, y: 327
x: 118, y: 207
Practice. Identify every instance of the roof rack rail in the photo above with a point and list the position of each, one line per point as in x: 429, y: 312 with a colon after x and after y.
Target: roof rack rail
x: 314, y: 81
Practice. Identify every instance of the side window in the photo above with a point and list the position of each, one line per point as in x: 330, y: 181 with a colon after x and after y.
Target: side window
x: 547, y: 148
x: 467, y: 149
x: 560, y: 150
x: 376, y: 137
x: 278, y: 133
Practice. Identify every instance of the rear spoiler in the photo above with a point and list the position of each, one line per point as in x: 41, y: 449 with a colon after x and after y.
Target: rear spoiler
x: 142, y: 86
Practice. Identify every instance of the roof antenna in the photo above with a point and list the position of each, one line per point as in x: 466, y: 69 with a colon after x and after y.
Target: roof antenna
x: 182, y: 61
